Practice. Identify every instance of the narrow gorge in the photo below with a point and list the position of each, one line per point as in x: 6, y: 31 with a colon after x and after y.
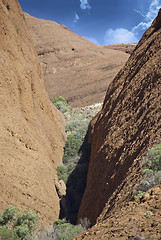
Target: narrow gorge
x: 101, y: 151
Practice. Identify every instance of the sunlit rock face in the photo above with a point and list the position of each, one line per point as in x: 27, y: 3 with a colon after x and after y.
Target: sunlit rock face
x: 129, y: 123
x: 32, y: 131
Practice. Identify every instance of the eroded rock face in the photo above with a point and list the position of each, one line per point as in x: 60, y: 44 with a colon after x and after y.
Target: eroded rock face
x: 31, y: 129
x: 74, y: 68
x: 138, y: 220
x: 128, y: 124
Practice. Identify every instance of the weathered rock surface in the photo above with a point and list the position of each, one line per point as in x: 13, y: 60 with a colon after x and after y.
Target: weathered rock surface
x: 74, y: 68
x: 31, y: 129
x: 60, y: 187
x: 120, y: 135
x: 138, y: 220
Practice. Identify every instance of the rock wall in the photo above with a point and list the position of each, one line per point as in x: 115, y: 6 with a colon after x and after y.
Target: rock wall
x: 128, y: 124
x: 31, y: 130
x: 140, y: 219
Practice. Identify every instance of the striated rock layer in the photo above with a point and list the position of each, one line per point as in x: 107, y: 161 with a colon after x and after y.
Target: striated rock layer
x: 31, y: 129
x: 128, y: 124
x: 74, y: 68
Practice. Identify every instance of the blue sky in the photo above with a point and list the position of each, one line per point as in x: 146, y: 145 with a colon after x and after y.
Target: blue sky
x: 101, y: 21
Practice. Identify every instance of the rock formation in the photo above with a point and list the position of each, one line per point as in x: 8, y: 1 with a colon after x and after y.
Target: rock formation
x: 138, y: 220
x: 120, y: 135
x: 74, y: 68
x: 31, y: 129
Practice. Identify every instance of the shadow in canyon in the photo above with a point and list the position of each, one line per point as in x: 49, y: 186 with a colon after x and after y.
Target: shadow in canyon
x: 76, y: 185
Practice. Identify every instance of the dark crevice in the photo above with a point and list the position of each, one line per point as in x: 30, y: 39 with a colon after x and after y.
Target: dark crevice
x: 76, y: 185
x: 7, y: 6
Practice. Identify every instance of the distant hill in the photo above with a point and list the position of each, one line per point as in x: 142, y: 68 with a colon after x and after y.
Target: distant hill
x: 127, y: 48
x: 74, y: 68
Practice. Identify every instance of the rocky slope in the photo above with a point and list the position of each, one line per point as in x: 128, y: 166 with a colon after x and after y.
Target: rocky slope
x: 138, y: 220
x: 120, y: 135
x: 74, y: 68
x: 32, y: 131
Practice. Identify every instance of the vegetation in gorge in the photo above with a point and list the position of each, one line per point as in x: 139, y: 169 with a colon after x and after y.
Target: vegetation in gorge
x: 60, y: 103
x: 151, y: 171
x: 76, y: 152
x: 15, y: 224
x: 61, y: 230
x: 76, y: 128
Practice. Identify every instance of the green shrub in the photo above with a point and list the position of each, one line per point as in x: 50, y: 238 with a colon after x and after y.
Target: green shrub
x: 154, y: 156
x: 59, y: 99
x: 62, y: 173
x: 20, y: 224
x: 61, y: 230
x: 72, y: 147
x: 65, y: 230
x: 25, y: 223
x: 139, y: 194
x: 60, y: 103
x: 148, y: 171
x: 151, y: 171
x: 8, y: 215
x: 22, y: 231
x: 8, y: 234
x: 78, y: 124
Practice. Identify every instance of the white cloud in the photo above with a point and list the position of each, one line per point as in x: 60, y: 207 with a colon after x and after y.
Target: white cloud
x: 84, y: 4
x: 91, y: 39
x: 141, y: 26
x: 153, y: 9
x: 148, y: 18
x: 119, y: 35
x: 76, y: 18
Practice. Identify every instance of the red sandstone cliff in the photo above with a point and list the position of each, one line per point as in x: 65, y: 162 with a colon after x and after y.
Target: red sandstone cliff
x: 120, y: 135
x: 31, y: 129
